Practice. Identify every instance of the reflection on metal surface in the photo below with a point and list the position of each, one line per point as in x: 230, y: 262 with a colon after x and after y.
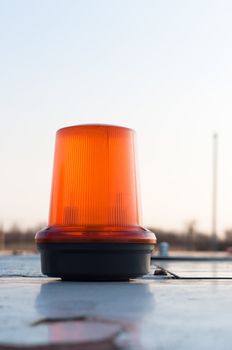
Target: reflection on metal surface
x: 105, y: 308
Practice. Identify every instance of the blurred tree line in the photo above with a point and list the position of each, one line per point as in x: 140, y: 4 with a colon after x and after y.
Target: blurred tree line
x: 17, y: 239
x: 191, y: 239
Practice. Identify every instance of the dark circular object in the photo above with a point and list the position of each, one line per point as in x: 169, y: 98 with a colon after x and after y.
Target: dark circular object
x: 95, y: 261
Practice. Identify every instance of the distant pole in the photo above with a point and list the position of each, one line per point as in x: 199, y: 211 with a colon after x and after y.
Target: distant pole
x: 214, y: 192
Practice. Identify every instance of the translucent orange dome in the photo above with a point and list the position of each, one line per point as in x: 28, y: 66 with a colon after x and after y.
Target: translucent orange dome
x: 94, y: 190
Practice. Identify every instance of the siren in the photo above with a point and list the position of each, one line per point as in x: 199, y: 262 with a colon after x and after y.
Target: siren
x: 94, y: 230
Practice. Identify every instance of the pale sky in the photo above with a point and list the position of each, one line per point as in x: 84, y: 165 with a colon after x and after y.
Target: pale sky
x: 161, y: 67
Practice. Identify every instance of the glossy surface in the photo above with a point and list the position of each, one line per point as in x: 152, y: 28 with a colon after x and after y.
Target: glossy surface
x: 146, y: 314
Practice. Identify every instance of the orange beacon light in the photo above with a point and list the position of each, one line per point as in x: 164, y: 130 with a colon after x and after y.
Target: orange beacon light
x: 94, y: 230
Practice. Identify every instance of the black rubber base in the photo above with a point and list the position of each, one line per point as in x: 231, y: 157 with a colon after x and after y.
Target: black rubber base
x: 95, y: 261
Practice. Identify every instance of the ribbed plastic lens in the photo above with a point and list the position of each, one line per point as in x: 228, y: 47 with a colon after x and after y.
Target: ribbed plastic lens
x: 94, y: 192
x: 94, y: 179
